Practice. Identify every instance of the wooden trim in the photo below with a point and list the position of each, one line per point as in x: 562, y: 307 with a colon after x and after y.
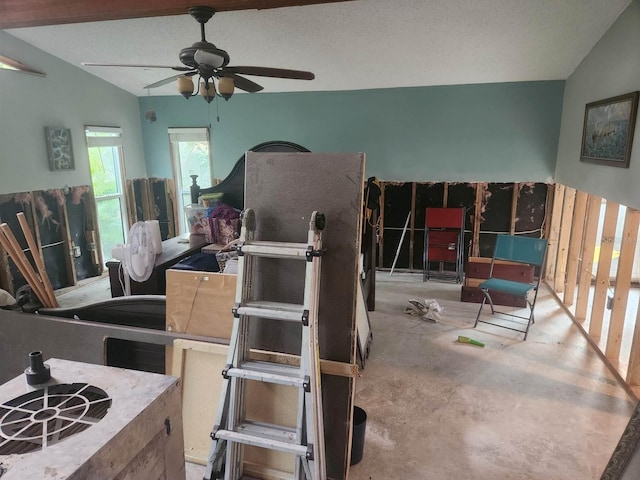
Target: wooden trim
x: 563, y: 241
x: 514, y: 208
x: 588, y: 250
x: 623, y: 283
x: 33, y: 13
x: 327, y: 367
x: 604, y: 267
x: 575, y: 246
x: 554, y: 232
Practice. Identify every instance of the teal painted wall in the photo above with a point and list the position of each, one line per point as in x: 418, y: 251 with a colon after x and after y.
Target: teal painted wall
x: 67, y: 97
x: 611, y: 68
x: 489, y: 132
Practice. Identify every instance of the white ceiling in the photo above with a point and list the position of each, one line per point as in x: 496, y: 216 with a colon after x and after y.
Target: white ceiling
x: 354, y: 45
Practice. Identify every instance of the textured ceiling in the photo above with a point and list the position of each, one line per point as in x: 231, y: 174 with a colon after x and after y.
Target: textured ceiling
x: 354, y: 45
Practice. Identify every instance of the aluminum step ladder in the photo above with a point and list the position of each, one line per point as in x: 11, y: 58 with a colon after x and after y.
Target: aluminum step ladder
x: 232, y: 430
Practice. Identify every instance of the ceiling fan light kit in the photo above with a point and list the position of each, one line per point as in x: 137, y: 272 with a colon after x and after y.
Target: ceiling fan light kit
x: 209, y: 62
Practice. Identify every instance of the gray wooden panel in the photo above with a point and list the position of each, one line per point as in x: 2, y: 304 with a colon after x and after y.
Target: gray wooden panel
x: 283, y: 189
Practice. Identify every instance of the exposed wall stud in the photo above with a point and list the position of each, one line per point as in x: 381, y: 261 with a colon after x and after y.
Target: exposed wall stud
x: 554, y: 232
x: 575, y: 246
x: 477, y: 217
x: 381, y: 226
x: 588, y: 250
x: 563, y: 240
x: 623, y: 283
x: 514, y: 208
x: 604, y: 267
x: 412, y: 224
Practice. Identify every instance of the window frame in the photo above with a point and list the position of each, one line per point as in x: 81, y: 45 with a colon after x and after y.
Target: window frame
x: 186, y: 134
x: 116, y: 141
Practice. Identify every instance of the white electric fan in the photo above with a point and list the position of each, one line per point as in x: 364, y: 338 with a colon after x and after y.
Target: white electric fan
x: 137, y: 256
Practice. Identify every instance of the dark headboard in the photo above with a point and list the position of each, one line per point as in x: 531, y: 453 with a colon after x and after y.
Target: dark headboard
x: 233, y: 185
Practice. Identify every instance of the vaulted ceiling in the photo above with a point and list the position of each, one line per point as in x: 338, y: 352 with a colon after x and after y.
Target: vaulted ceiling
x: 351, y: 45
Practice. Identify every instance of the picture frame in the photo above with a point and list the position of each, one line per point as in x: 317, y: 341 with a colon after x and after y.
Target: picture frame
x: 59, y: 148
x: 607, y: 133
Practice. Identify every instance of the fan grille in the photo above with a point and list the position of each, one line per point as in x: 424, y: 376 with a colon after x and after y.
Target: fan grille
x: 42, y: 418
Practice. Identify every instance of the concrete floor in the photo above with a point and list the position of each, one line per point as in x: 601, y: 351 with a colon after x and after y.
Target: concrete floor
x: 546, y: 408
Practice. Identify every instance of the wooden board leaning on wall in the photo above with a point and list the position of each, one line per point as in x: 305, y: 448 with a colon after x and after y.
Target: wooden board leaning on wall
x: 64, y: 224
x: 491, y: 208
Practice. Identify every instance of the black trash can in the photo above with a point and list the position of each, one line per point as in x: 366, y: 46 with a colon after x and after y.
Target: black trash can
x: 357, y: 440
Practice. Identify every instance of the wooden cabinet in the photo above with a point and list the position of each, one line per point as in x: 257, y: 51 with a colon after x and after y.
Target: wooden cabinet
x: 477, y: 270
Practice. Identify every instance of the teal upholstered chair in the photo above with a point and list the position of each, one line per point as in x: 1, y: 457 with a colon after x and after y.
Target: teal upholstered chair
x: 523, y: 250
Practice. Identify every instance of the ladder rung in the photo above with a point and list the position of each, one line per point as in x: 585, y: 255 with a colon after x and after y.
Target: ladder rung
x: 276, y: 249
x: 274, y: 310
x: 266, y: 436
x: 269, y: 373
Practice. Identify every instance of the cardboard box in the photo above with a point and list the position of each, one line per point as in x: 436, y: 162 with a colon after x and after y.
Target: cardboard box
x: 200, y: 303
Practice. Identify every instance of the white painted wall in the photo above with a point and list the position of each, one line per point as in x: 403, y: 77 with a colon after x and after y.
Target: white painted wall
x: 67, y: 97
x: 611, y: 68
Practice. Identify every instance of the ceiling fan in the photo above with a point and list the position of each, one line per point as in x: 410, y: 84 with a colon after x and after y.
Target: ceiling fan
x: 208, y: 61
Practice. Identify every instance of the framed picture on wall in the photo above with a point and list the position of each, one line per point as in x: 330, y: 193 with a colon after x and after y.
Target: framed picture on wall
x: 59, y: 148
x: 608, y: 129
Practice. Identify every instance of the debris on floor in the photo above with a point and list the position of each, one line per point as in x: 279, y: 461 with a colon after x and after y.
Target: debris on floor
x: 471, y: 341
x: 429, y: 310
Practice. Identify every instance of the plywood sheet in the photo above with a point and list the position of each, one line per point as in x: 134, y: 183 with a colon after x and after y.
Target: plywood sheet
x: 200, y: 366
x: 283, y: 189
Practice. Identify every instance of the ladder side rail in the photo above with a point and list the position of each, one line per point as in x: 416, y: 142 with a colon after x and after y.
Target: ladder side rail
x: 314, y: 354
x: 233, y: 468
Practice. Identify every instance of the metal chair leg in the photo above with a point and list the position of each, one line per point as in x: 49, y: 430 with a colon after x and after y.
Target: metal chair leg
x: 479, y: 311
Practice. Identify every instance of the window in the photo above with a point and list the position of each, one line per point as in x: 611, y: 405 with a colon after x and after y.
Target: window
x: 190, y: 155
x: 107, y: 178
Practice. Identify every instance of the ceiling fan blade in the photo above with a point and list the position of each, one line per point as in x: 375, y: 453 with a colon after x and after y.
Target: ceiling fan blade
x: 241, y: 82
x: 169, y: 80
x: 271, y: 72
x: 179, y: 69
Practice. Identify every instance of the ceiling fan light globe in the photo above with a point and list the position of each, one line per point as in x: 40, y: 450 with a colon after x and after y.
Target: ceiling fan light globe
x: 208, y: 91
x: 225, y: 87
x: 185, y: 86
x: 150, y: 115
x: 210, y: 56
